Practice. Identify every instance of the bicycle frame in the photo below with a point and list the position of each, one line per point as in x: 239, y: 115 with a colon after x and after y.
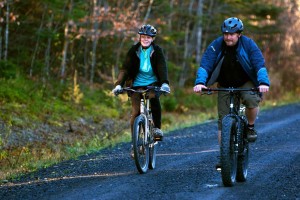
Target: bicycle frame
x: 236, y: 113
x: 144, y: 145
x: 234, y: 147
x: 145, y: 112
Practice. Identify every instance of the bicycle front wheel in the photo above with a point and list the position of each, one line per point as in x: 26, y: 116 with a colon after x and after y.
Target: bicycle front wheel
x: 140, y: 144
x: 228, y: 151
x: 242, y: 165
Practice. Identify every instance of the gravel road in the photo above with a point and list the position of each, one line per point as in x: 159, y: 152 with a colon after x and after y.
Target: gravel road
x: 185, y: 168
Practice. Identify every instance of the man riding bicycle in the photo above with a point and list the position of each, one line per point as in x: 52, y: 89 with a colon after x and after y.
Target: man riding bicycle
x: 234, y: 60
x: 145, y: 65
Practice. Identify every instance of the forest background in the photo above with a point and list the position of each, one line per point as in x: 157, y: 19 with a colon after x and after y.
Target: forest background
x: 60, y: 58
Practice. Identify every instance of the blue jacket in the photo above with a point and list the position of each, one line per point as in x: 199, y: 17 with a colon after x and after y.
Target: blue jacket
x: 248, y: 54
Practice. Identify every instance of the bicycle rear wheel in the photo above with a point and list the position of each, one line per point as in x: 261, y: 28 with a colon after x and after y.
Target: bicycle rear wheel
x: 242, y: 164
x: 140, y: 144
x: 152, y: 146
x: 228, y: 151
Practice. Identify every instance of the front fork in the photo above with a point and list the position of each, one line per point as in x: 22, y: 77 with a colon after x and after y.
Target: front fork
x: 237, y: 133
x: 241, y: 134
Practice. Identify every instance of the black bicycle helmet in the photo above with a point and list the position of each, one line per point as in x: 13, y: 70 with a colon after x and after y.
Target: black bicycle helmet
x: 147, y: 29
x: 232, y: 25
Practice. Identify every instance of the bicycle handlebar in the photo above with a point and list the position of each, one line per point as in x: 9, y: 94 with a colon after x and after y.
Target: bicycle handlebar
x: 230, y: 89
x: 148, y: 89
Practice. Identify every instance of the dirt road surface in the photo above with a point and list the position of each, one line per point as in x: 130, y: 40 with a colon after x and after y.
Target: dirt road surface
x: 185, y: 168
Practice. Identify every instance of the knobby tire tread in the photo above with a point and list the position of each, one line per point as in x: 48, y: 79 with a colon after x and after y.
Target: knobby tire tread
x: 228, y: 157
x: 242, y: 165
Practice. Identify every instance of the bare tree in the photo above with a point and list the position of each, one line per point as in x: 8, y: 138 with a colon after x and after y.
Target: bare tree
x: 1, y: 6
x: 95, y: 37
x: 199, y: 30
x: 187, y: 48
x: 37, y: 44
x: 48, y: 50
x: 209, y: 19
x: 148, y: 11
x: 67, y: 41
x: 287, y: 59
x: 7, y: 29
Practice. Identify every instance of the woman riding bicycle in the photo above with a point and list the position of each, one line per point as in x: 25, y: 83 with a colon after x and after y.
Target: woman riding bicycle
x: 234, y: 60
x: 145, y: 65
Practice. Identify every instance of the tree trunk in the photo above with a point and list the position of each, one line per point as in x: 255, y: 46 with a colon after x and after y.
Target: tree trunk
x: 6, y: 30
x: 95, y: 38
x: 85, y: 59
x: 47, y: 52
x: 148, y: 11
x: 211, y: 7
x: 64, y: 54
x: 199, y: 30
x: 37, y: 41
x: 185, y: 56
x: 66, y: 44
x: 1, y: 39
x: 115, y: 69
x: 187, y: 53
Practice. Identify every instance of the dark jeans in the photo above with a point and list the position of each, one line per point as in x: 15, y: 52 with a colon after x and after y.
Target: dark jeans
x: 155, y: 109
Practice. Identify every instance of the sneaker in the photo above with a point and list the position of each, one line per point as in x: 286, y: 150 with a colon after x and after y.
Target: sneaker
x: 251, y: 134
x: 158, y: 134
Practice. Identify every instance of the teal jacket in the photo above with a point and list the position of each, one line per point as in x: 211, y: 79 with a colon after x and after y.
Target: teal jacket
x: 131, y: 65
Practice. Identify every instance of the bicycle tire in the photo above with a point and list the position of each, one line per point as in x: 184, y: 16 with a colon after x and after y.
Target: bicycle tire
x: 228, y: 151
x: 140, y: 144
x: 152, y: 153
x: 242, y: 164
x: 152, y: 146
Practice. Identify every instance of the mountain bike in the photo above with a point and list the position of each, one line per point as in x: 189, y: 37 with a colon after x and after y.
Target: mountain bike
x: 143, y: 140
x: 234, y: 147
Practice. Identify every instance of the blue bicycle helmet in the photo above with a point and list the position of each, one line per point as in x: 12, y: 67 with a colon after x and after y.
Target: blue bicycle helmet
x: 232, y: 25
x: 147, y: 29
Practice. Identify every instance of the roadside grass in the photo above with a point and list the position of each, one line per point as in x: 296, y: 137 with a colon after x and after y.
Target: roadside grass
x: 44, y: 125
